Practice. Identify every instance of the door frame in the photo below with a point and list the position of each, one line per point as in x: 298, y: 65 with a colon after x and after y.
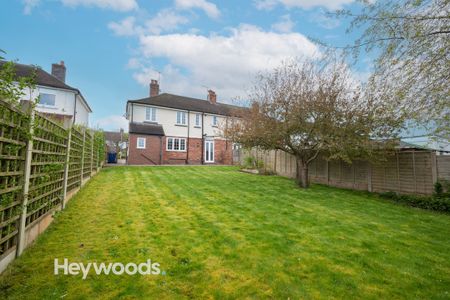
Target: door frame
x: 210, y: 142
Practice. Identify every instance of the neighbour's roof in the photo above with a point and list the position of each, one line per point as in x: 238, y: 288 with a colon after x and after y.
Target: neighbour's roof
x: 43, y: 78
x: 426, y: 143
x: 405, y: 145
x: 187, y: 103
x: 113, y: 136
x: 143, y: 128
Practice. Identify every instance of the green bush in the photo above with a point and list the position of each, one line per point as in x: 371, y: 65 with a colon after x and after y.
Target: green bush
x: 260, y: 164
x: 249, y: 162
x: 438, y: 202
x: 438, y: 189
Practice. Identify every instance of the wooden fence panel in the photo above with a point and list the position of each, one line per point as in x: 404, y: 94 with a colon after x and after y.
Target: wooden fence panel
x: 87, y: 154
x: 406, y: 172
x: 443, y: 167
x: 37, y: 169
x: 423, y: 170
x: 47, y: 168
x: 76, y: 150
x: 13, y: 139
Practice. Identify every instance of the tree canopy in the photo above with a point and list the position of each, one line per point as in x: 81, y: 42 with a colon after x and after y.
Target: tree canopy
x: 309, y: 106
x: 411, y: 41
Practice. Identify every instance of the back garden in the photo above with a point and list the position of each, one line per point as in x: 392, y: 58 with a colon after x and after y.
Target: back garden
x: 220, y: 233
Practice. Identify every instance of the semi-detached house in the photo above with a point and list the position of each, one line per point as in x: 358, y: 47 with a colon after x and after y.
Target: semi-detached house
x: 171, y: 129
x: 57, y: 99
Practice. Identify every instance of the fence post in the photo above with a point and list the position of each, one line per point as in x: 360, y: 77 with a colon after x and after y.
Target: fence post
x: 66, y: 169
x: 82, y: 156
x: 397, y: 154
x: 434, y: 170
x: 92, y: 153
x: 275, y: 161
x: 369, y: 176
x: 26, y: 187
x: 414, y: 171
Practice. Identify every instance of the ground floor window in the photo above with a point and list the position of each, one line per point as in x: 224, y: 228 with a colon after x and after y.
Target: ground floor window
x: 176, y: 144
x: 141, y: 143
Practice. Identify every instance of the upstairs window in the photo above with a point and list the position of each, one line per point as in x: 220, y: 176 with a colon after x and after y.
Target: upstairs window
x: 181, y: 118
x: 150, y: 114
x: 215, y: 121
x: 197, y: 120
x: 47, y: 99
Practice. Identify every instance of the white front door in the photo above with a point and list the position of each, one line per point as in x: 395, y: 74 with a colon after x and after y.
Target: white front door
x: 209, y: 151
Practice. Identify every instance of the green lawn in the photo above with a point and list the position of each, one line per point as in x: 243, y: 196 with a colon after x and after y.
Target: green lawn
x: 219, y: 233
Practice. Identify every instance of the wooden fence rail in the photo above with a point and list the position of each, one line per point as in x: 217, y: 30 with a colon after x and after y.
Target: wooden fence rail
x: 406, y: 172
x: 42, y: 165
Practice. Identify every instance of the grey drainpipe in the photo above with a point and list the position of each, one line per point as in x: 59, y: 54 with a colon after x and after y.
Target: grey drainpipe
x: 187, y: 142
x: 75, y: 108
x: 203, y: 139
x: 160, y: 150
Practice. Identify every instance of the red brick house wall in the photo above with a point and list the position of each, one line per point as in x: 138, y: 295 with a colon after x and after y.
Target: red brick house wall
x: 222, y: 152
x: 148, y: 156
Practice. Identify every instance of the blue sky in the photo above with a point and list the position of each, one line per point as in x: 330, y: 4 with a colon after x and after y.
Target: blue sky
x: 112, y: 48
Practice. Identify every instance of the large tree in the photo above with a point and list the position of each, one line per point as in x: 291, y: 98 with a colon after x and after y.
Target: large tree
x: 306, y: 107
x: 411, y: 42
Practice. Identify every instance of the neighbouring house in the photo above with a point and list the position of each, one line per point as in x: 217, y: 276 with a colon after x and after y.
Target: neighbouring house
x: 434, y: 143
x: 172, y: 129
x: 57, y: 99
x: 116, y: 142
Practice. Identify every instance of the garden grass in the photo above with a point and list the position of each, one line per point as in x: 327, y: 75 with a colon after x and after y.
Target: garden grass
x: 219, y: 233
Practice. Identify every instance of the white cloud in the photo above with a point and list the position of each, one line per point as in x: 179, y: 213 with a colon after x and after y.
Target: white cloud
x: 164, y: 21
x: 265, y: 4
x: 209, y: 8
x: 118, y: 5
x: 323, y: 20
x: 126, y: 27
x: 29, y: 5
x: 305, y: 4
x: 284, y: 25
x: 113, y: 122
x: 225, y: 63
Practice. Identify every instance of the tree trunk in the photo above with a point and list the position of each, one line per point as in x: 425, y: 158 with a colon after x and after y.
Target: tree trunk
x: 302, y: 173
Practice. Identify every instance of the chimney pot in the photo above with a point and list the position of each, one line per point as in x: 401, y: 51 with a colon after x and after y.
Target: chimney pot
x: 212, y: 97
x: 59, y: 71
x: 154, y: 88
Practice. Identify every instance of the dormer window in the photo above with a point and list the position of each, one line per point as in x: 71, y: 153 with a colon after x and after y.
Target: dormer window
x: 150, y: 114
x: 181, y: 118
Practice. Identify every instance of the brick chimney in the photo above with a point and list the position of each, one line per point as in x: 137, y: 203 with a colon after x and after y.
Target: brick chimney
x: 212, y: 97
x: 59, y: 71
x: 154, y: 88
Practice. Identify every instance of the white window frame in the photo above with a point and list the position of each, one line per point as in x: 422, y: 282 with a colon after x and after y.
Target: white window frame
x: 181, y: 118
x: 176, y: 141
x: 47, y: 105
x: 139, y: 139
x: 197, y: 120
x: 150, y: 114
x: 215, y: 121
